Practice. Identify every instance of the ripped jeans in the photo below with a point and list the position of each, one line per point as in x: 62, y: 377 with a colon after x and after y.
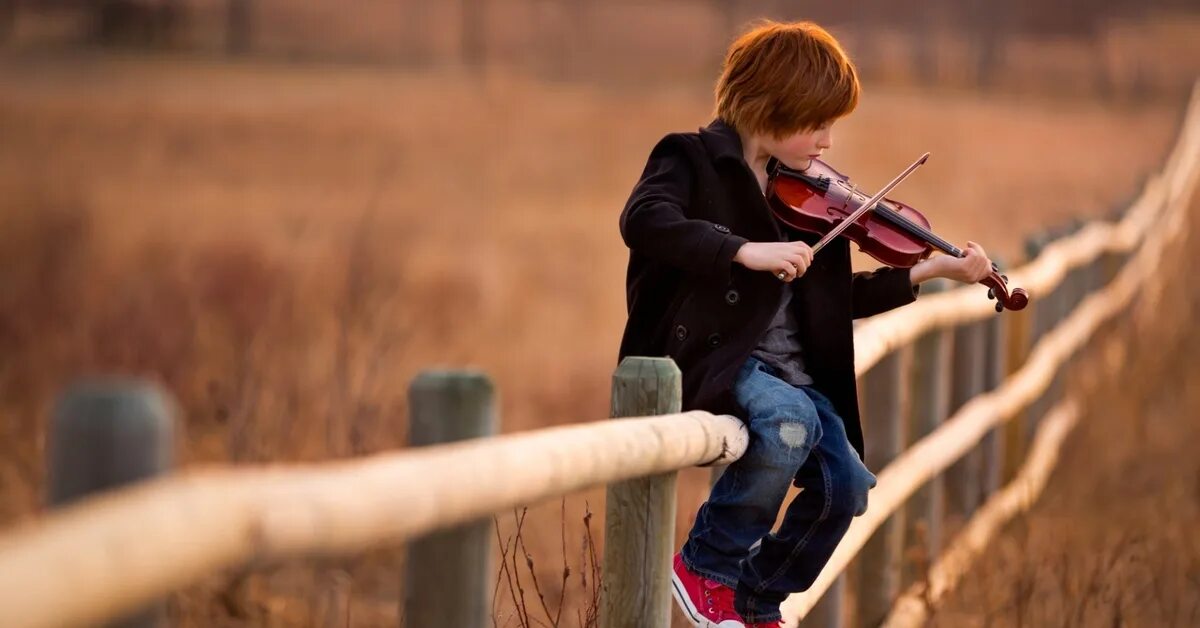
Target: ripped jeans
x: 795, y: 436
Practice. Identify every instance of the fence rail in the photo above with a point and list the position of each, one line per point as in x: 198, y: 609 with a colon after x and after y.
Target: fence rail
x: 165, y: 534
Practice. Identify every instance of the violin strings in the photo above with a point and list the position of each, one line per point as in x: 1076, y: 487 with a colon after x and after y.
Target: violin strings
x: 888, y: 213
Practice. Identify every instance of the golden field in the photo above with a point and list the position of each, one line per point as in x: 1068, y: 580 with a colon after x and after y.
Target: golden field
x: 283, y: 247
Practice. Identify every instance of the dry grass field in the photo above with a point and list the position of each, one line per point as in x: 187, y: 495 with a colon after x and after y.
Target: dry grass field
x: 1114, y: 540
x: 284, y: 247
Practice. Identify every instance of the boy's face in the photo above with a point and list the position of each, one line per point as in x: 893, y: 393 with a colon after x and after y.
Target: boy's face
x: 797, y: 150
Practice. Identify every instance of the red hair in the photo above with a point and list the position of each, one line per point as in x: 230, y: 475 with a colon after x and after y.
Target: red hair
x: 779, y: 79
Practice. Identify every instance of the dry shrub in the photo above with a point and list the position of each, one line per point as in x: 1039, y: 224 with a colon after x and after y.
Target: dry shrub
x: 511, y: 601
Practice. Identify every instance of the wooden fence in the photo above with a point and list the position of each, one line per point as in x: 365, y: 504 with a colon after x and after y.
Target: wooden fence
x: 964, y: 411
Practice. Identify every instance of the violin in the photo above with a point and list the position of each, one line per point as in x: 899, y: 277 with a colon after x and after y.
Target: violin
x: 822, y: 200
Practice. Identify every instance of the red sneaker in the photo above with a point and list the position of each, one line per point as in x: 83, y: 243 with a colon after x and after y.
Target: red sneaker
x: 707, y: 604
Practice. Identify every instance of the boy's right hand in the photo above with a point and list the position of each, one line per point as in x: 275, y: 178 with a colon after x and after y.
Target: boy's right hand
x: 785, y: 260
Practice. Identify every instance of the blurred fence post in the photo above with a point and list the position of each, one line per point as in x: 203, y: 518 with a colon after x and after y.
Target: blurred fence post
x: 1040, y: 321
x: 1110, y: 267
x: 449, y: 573
x: 639, y: 526
x: 1018, y: 343
x: 963, y: 477
x: 1058, y: 305
x: 994, y: 372
x: 106, y: 433
x: 930, y: 386
x: 829, y: 611
x: 879, y: 561
x: 1068, y: 295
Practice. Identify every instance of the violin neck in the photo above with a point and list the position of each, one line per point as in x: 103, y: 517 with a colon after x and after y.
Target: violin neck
x: 884, y: 210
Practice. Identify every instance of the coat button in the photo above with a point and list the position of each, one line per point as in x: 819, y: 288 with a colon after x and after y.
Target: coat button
x: 721, y: 228
x: 714, y: 340
x: 680, y: 332
x: 732, y: 297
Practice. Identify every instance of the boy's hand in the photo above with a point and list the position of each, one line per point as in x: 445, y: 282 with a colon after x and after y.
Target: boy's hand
x: 971, y: 268
x: 785, y: 260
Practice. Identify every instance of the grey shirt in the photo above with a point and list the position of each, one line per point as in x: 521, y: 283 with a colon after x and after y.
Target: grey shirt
x: 780, y: 347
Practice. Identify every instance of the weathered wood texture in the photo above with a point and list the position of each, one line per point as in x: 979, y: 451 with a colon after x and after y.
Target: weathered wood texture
x: 879, y: 563
x: 1019, y: 341
x: 830, y: 610
x: 152, y: 536
x: 105, y: 434
x: 928, y: 408
x: 449, y: 574
x: 967, y: 370
x: 995, y: 369
x: 639, y: 536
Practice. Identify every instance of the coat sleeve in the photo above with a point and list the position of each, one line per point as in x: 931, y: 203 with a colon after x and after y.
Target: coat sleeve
x: 881, y: 290
x: 656, y: 220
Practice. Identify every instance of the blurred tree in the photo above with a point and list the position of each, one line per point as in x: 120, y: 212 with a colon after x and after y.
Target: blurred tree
x: 135, y: 22
x: 239, y: 26
x: 924, y: 46
x: 729, y: 12
x: 414, y: 49
x: 563, y: 25
x: 989, y: 22
x: 8, y: 15
x: 787, y: 10
x: 474, y: 33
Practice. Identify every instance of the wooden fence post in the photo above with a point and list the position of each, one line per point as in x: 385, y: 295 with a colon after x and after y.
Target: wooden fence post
x: 449, y: 573
x: 1060, y: 306
x: 1110, y: 267
x: 994, y: 372
x: 963, y: 477
x: 991, y: 447
x: 639, y: 526
x: 829, y: 612
x: 1068, y: 295
x: 879, y: 561
x: 1041, y: 320
x: 930, y: 385
x: 105, y: 434
x: 1100, y: 272
x: 1018, y: 343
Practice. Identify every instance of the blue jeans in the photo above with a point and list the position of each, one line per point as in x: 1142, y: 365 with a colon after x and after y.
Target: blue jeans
x: 795, y: 436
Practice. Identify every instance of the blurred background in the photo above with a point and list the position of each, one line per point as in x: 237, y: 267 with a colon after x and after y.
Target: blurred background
x: 282, y: 210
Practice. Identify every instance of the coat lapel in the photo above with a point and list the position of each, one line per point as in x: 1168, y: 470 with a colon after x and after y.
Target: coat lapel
x: 724, y: 146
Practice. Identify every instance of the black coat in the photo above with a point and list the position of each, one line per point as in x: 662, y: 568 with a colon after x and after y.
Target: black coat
x: 697, y: 202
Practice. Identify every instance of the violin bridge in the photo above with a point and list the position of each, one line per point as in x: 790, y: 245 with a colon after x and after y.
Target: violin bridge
x: 839, y: 197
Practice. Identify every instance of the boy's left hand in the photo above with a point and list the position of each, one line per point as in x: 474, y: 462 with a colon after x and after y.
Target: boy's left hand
x: 971, y: 268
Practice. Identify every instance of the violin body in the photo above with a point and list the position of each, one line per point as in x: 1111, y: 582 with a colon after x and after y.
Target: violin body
x: 809, y: 209
x: 819, y: 198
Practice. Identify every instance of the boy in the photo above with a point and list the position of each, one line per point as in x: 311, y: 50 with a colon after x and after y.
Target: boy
x: 758, y: 325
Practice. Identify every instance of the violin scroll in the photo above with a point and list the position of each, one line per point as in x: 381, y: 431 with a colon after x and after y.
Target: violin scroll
x: 998, y: 289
